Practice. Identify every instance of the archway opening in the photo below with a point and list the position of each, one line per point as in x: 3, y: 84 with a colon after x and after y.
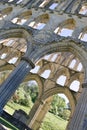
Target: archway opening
x: 83, y: 10
x: 39, y: 22
x: 66, y: 77
x: 23, y: 100
x: 10, y: 55
x: 57, y: 71
x: 66, y: 28
x: 22, y: 18
x: 58, y: 113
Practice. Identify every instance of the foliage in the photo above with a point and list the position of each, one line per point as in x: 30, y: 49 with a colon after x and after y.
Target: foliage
x: 65, y: 114
x: 57, y: 105
x: 15, y: 98
x: 26, y: 95
x: 24, y: 102
x: 32, y: 90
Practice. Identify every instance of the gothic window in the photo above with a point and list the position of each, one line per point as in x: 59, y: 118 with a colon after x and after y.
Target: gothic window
x: 83, y: 37
x: 66, y: 28
x: 40, y: 22
x: 19, y: 21
x: 47, y: 57
x: 75, y: 85
x: 72, y: 64
x: 46, y: 74
x: 54, y: 57
x: 22, y: 18
x: 19, y: 1
x: 10, y: 42
x: 13, y: 60
x: 65, y: 32
x: 5, y: 12
x: 10, y: 0
x: 53, y: 6
x: 44, y: 3
x: 83, y: 10
x: 35, y: 70
x: 61, y: 80
x: 3, y: 56
x: 80, y: 67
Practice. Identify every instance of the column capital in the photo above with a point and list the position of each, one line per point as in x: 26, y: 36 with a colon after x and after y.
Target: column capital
x: 28, y: 60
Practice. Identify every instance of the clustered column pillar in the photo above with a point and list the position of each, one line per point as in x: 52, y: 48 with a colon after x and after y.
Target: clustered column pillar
x: 38, y: 113
x: 41, y: 114
x: 12, y: 82
x: 34, y: 111
x: 79, y: 119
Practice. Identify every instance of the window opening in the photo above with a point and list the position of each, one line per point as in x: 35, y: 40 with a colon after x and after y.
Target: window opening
x: 44, y: 3
x: 79, y: 68
x: 75, y: 85
x: 83, y: 10
x: 35, y: 70
x: 13, y: 60
x: 3, y: 56
x: 53, y: 6
x: 61, y: 80
x: 72, y: 64
x: 46, y: 74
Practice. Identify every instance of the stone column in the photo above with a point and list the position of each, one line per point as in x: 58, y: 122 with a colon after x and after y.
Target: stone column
x: 8, y: 87
x: 79, y: 119
x: 34, y: 111
x: 41, y: 114
x: 38, y: 113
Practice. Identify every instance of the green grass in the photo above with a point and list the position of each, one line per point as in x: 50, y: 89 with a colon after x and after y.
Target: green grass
x: 11, y: 107
x: 7, y: 124
x: 52, y: 122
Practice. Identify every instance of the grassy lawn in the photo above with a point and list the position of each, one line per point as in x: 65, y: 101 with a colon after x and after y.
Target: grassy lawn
x: 52, y: 122
x: 11, y: 107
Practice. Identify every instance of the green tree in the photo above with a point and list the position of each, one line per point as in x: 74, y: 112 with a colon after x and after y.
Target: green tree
x: 65, y: 114
x: 32, y: 89
x: 57, y: 105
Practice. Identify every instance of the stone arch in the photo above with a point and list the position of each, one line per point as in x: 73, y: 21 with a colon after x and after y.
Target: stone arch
x: 40, y: 21
x: 68, y: 46
x: 26, y: 14
x: 23, y: 17
x: 43, y: 18
x: 65, y: 91
x: 44, y: 3
x: 78, y: 78
x: 68, y: 25
x: 83, y: 9
x: 39, y: 81
x: 16, y: 33
x: 62, y: 71
x: 13, y: 55
x: 6, y: 11
x: 83, y: 34
x: 44, y: 65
